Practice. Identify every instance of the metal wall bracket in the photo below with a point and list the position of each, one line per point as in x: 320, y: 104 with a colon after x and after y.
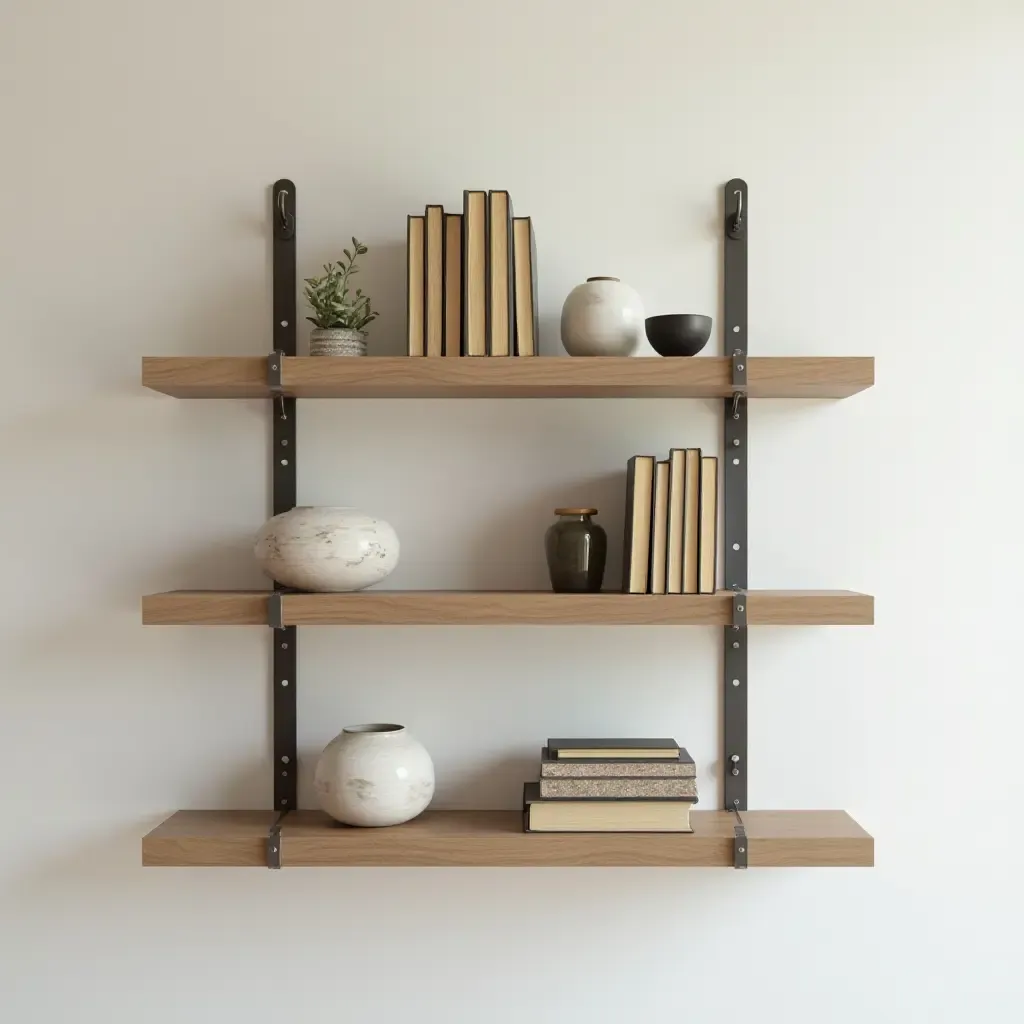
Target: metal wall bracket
x: 283, y: 479
x: 734, y: 489
x: 275, y: 368
x: 275, y: 611
x: 740, y: 844
x: 739, y: 608
x: 274, y: 842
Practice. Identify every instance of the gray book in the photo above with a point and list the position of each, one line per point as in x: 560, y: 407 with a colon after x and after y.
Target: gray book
x: 681, y: 767
x: 616, y: 789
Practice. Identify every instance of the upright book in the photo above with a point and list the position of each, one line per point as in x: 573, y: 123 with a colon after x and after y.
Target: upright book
x: 636, y: 544
x: 659, y: 530
x: 453, y: 284
x: 433, y: 248
x: 708, y: 524
x: 676, y: 493
x: 691, y: 521
x: 414, y: 273
x: 524, y: 256
x: 500, y: 288
x: 650, y: 814
x: 474, y: 272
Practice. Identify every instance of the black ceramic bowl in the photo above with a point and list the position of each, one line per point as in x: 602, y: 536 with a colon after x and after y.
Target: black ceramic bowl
x: 678, y: 334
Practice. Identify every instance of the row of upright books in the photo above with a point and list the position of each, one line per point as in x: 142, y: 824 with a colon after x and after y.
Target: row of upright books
x: 611, y: 785
x: 472, y: 280
x: 671, y: 534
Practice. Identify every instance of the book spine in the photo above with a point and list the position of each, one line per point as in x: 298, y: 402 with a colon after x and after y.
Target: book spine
x: 414, y: 285
x: 474, y: 273
x: 433, y: 248
x: 453, y: 284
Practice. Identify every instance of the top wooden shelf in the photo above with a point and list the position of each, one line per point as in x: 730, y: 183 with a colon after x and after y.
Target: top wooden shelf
x: 543, y: 377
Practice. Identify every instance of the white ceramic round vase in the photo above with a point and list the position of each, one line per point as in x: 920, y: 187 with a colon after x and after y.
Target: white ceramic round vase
x: 603, y: 317
x: 374, y: 775
x: 337, y: 341
x: 327, y: 548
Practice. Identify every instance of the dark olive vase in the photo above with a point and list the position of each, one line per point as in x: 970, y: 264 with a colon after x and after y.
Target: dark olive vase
x: 576, y: 550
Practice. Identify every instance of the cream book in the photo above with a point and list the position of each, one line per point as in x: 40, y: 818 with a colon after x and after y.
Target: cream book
x: 474, y: 272
x: 691, y: 520
x: 708, y: 524
x: 676, y: 492
x: 636, y: 544
x: 524, y: 252
x: 414, y: 328
x: 648, y: 815
x: 453, y: 284
x: 500, y: 288
x: 433, y: 249
x: 659, y: 531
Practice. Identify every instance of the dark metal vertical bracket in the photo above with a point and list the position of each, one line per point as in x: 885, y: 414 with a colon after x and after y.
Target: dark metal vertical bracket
x: 283, y: 479
x: 734, y: 705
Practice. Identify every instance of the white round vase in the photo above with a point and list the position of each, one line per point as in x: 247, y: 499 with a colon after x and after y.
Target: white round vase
x: 327, y: 548
x: 603, y: 317
x: 337, y: 341
x: 374, y: 775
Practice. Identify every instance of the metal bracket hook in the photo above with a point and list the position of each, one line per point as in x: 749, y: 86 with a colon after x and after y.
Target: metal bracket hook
x: 287, y: 219
x: 736, y: 225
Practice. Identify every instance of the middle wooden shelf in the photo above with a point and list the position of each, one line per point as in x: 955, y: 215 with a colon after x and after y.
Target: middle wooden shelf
x: 496, y: 608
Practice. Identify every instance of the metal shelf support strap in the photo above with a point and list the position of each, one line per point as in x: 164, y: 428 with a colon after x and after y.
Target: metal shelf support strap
x: 282, y: 471
x: 734, y: 489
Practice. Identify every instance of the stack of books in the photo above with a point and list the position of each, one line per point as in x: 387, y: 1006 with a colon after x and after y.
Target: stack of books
x: 671, y: 536
x: 472, y: 280
x: 611, y: 785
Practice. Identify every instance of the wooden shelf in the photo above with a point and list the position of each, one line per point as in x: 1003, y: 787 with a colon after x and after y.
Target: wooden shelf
x: 482, y: 608
x: 545, y: 377
x: 496, y: 838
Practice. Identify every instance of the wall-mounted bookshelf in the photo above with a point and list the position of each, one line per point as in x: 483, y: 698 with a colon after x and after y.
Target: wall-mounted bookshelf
x: 539, y: 377
x: 287, y: 836
x: 507, y: 608
x: 496, y: 839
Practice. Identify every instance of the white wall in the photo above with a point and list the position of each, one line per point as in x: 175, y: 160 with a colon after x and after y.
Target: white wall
x: 882, y: 142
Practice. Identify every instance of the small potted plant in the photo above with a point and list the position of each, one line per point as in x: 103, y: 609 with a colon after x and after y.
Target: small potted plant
x: 340, y: 318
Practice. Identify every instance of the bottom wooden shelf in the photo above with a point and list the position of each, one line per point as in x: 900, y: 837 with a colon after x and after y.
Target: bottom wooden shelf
x: 495, y: 838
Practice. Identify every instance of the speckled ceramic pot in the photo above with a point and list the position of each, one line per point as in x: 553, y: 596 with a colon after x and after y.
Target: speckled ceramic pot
x: 327, y: 548
x: 337, y: 341
x: 374, y: 775
x: 603, y: 317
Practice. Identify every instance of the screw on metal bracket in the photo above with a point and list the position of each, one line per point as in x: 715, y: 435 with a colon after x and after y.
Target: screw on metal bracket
x: 740, y: 843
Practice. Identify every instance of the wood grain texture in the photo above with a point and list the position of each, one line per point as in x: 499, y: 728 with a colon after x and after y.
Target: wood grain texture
x: 542, y: 377
x: 209, y: 839
x: 482, y: 608
x: 495, y: 838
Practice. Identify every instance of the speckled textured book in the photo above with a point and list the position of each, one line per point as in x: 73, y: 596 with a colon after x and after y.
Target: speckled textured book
x: 617, y: 789
x: 681, y: 767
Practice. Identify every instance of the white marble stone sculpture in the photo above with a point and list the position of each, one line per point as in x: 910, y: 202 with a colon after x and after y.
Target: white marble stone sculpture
x: 327, y: 548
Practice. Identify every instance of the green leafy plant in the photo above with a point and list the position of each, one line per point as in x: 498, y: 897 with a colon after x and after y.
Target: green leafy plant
x: 329, y: 296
